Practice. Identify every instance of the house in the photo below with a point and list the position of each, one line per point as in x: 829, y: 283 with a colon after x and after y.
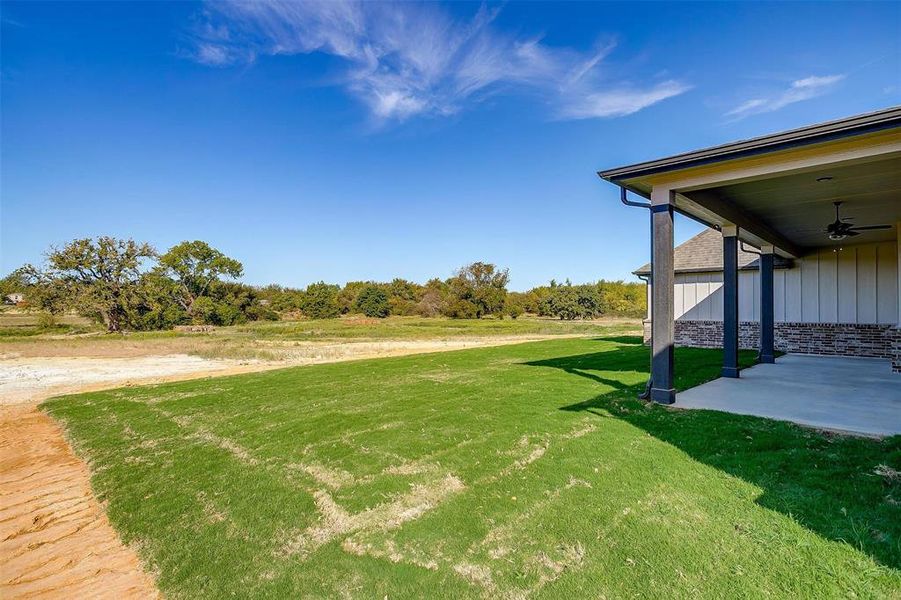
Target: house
x: 812, y: 313
x: 777, y: 195
x: 14, y: 298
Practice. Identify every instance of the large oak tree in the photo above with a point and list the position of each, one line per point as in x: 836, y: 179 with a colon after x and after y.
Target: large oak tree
x: 101, y: 276
x: 196, y: 267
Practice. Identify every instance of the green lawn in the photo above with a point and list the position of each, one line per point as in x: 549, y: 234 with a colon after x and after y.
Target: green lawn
x: 506, y: 472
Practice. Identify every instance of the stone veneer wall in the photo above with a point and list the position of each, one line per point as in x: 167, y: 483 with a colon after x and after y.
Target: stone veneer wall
x: 878, y: 341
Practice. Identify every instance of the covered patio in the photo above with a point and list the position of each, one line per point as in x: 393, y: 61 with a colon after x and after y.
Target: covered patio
x: 853, y: 395
x: 776, y: 195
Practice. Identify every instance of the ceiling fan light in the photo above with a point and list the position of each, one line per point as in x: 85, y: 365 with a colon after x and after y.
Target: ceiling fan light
x: 837, y: 237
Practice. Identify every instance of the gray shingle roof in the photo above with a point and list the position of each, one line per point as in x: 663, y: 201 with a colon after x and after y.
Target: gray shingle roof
x: 704, y: 253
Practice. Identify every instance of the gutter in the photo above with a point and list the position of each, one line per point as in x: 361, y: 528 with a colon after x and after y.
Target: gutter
x: 889, y: 118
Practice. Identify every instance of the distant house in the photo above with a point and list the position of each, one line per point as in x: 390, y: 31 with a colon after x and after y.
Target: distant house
x: 840, y: 300
x: 14, y: 298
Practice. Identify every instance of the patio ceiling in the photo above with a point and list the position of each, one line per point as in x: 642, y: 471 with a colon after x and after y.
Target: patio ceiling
x: 799, y: 206
x: 768, y: 186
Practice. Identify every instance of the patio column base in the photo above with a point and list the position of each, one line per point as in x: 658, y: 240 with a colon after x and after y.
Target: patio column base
x: 663, y: 396
x: 766, y: 359
x: 731, y: 371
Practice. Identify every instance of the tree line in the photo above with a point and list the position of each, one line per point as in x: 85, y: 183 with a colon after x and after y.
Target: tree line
x: 127, y: 285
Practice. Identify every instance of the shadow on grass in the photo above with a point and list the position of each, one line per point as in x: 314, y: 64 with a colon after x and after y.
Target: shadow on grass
x: 620, y: 339
x: 825, y: 482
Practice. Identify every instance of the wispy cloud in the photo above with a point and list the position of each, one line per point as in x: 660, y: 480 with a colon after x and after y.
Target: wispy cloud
x: 621, y: 102
x: 414, y: 59
x: 799, y: 90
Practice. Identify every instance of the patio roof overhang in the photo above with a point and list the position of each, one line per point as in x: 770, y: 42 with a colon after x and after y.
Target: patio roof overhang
x: 779, y: 189
x: 775, y: 192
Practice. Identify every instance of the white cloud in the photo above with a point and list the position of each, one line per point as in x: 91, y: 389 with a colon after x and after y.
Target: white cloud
x: 800, y: 89
x: 212, y: 54
x: 408, y: 59
x: 622, y: 102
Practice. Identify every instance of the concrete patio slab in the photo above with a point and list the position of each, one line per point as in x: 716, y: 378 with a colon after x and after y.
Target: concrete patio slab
x: 857, y: 395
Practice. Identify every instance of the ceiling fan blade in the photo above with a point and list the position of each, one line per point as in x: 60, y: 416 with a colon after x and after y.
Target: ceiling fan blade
x: 851, y: 232
x: 870, y: 227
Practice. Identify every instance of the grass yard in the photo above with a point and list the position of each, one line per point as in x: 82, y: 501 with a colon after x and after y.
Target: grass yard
x: 505, y: 472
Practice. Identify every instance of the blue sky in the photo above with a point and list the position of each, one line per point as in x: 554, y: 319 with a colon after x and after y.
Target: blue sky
x: 367, y: 141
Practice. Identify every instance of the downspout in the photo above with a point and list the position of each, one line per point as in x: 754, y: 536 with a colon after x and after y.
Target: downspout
x: 741, y: 244
x: 646, y: 394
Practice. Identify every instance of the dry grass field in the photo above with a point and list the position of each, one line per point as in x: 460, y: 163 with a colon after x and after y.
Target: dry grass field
x: 300, y: 341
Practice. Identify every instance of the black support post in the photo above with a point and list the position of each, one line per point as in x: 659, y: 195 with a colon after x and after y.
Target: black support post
x: 662, y: 280
x: 766, y: 307
x: 730, y: 302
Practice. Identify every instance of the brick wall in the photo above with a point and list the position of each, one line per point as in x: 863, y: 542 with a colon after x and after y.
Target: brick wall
x: 896, y: 352
x: 878, y: 341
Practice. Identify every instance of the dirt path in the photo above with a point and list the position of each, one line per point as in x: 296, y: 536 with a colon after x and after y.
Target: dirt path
x: 55, y: 539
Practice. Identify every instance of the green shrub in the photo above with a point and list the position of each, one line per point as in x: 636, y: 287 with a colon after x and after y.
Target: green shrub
x: 572, y: 302
x: 203, y: 312
x: 280, y: 299
x: 462, y: 309
x: 515, y: 304
x: 347, y: 297
x: 479, y: 286
x: 258, y: 312
x: 513, y: 310
x: 320, y: 301
x: 372, y: 301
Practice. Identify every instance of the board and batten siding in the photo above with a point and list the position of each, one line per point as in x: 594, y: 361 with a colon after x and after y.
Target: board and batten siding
x: 855, y: 284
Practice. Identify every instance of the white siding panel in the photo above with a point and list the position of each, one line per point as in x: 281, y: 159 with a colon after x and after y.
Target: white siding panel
x: 847, y: 285
x: 793, y: 295
x: 779, y: 295
x: 866, y: 284
x: 650, y: 294
x: 691, y: 296
x: 715, y: 299
x: 703, y: 292
x: 755, y: 280
x: 828, y: 285
x: 887, y: 283
x: 678, y: 295
x: 810, y: 289
x: 858, y: 284
x: 745, y: 296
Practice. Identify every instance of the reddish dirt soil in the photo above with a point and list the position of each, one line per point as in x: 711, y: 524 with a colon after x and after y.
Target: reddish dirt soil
x: 55, y: 540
